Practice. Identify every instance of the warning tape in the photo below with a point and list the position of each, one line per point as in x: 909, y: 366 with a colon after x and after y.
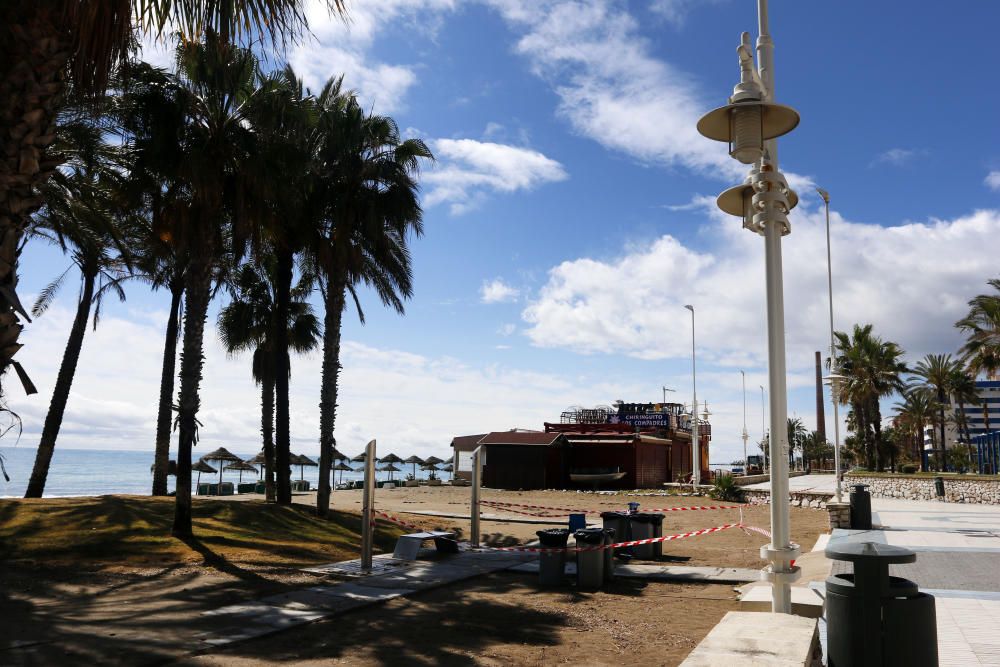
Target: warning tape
x: 510, y: 507
x: 630, y: 543
x: 392, y: 519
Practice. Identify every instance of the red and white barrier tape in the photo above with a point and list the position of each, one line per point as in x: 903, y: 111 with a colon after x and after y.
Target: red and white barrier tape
x: 630, y: 543
x: 392, y: 519
x: 510, y: 506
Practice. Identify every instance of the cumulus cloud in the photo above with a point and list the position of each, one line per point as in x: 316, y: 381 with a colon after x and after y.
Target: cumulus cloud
x: 468, y: 169
x: 992, y: 180
x: 497, y: 291
x: 898, y: 157
x: 610, y: 86
x: 676, y: 11
x: 633, y: 304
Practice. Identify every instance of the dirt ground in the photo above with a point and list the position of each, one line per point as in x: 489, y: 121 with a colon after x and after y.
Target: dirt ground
x: 502, y: 619
x: 728, y: 548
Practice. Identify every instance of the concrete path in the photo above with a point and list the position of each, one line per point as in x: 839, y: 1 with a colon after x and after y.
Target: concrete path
x: 822, y: 483
x: 958, y: 561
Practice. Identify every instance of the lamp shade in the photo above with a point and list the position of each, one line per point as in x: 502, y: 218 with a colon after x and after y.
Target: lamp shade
x: 736, y: 200
x: 775, y: 120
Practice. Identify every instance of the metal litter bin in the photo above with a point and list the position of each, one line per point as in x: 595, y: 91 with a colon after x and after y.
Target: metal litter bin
x: 590, y: 563
x: 552, y: 566
x: 861, y: 507
x: 874, y: 619
x: 641, y: 525
x: 609, y: 555
x: 939, y: 486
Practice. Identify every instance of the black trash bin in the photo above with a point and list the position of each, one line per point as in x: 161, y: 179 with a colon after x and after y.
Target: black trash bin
x: 873, y: 618
x: 939, y: 486
x: 590, y: 560
x: 861, y: 507
x: 552, y: 566
x: 618, y: 521
x: 657, y: 521
x: 642, y: 526
x: 609, y: 554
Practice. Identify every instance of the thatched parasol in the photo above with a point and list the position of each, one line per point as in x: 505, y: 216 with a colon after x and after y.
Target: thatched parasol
x: 201, y: 467
x: 390, y: 458
x: 448, y: 468
x: 259, y: 460
x: 242, y: 466
x: 221, y: 455
x: 429, y: 467
x: 360, y: 458
x: 415, y: 460
x: 342, y: 467
x: 390, y: 469
x: 301, y: 460
x: 171, y: 468
x: 433, y: 460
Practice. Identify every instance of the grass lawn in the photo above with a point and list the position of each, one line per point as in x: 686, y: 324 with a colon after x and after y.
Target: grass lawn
x: 134, y: 531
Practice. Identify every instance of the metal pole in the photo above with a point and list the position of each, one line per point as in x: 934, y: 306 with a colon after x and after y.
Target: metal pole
x: 367, y: 505
x: 780, y: 552
x: 695, y: 444
x: 834, y: 393
x: 763, y: 429
x: 477, y: 480
x: 746, y: 464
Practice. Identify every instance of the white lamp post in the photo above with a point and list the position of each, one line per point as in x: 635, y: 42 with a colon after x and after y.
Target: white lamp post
x: 833, y: 378
x: 695, y: 458
x: 746, y: 464
x: 763, y: 427
x: 750, y: 123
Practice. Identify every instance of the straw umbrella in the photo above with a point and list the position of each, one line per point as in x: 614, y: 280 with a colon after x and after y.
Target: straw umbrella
x: 242, y: 466
x: 433, y: 460
x: 390, y: 469
x: 221, y: 455
x: 259, y: 460
x: 360, y: 458
x: 415, y: 460
x: 342, y: 467
x: 201, y: 467
x: 301, y: 460
x: 429, y: 467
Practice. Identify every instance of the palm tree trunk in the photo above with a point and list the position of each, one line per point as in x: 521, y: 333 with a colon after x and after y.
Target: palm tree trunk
x: 941, y: 398
x: 877, y: 436
x: 282, y: 371
x: 198, y: 284
x: 33, y: 56
x: 60, y: 395
x: 163, y: 415
x: 329, y: 376
x: 267, y: 432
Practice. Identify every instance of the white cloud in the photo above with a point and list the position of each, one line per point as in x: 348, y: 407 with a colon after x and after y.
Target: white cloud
x: 507, y: 329
x: 497, y: 291
x: 898, y: 157
x: 676, y: 11
x: 611, y: 88
x: 468, y: 169
x: 633, y: 304
x: 342, y: 47
x: 992, y: 180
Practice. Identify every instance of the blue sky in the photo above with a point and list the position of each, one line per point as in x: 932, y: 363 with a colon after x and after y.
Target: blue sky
x: 570, y: 215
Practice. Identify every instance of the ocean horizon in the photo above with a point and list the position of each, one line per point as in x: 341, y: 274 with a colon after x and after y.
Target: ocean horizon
x: 96, y: 472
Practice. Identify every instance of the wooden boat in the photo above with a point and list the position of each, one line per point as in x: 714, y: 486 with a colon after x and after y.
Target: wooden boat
x: 596, y: 478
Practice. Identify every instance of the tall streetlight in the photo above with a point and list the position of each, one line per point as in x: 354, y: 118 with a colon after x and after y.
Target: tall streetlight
x: 763, y: 427
x: 833, y: 379
x: 750, y: 124
x: 665, y: 390
x: 695, y: 458
x: 746, y: 465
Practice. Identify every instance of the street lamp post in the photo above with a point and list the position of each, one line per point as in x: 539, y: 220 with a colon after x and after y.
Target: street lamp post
x: 665, y: 390
x: 746, y: 464
x: 750, y: 124
x: 834, y: 379
x: 763, y: 428
x: 695, y: 458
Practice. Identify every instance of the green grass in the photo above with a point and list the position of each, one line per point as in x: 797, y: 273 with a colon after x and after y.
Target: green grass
x: 135, y: 531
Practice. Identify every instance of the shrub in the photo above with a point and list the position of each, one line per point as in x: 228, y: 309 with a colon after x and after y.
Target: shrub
x: 909, y: 468
x: 725, y: 488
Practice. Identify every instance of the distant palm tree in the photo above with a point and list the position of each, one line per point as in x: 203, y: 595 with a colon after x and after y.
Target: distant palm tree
x: 981, y: 352
x: 796, y: 432
x: 872, y: 369
x: 246, y: 324
x: 371, y: 209
x: 936, y: 371
x: 963, y: 391
x: 81, y: 215
x: 914, y: 413
x: 47, y: 45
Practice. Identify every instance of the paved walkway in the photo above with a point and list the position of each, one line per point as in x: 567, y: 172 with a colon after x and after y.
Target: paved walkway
x: 958, y: 561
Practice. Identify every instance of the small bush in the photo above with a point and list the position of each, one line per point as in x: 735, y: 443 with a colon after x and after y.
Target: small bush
x: 909, y: 468
x: 725, y: 488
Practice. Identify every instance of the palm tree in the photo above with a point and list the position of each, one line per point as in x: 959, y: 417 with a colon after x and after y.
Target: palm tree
x: 981, y: 352
x: 371, y: 208
x: 796, y: 432
x: 47, y: 46
x: 963, y: 391
x: 872, y: 369
x: 193, y: 129
x: 80, y: 215
x: 914, y: 413
x: 246, y: 324
x: 936, y: 371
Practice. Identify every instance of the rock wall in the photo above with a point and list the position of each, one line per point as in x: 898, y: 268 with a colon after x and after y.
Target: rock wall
x: 816, y: 500
x: 957, y: 488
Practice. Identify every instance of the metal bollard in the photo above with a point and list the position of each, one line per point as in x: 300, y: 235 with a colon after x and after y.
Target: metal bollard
x: 367, y: 506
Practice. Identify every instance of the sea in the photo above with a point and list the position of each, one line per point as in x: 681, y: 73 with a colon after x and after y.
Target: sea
x: 94, y: 472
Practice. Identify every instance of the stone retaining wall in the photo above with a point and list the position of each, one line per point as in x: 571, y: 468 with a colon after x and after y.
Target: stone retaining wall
x: 957, y: 488
x: 814, y: 499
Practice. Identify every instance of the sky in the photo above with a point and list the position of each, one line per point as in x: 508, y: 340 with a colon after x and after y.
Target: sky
x: 570, y: 216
